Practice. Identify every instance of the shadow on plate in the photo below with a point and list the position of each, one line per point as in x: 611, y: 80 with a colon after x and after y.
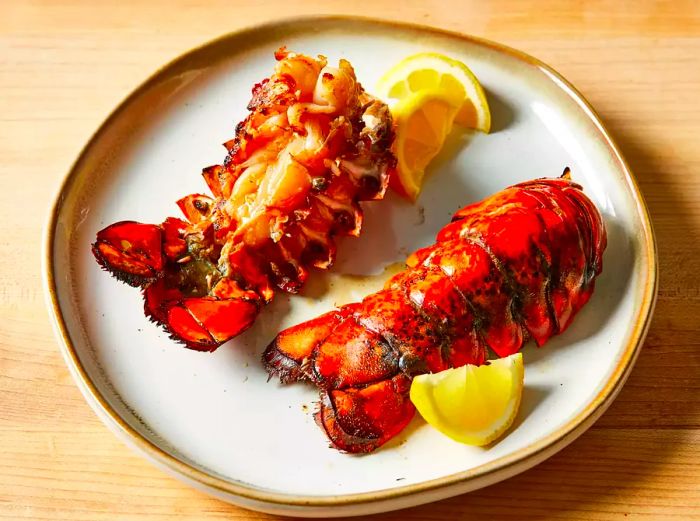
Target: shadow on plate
x: 502, y: 114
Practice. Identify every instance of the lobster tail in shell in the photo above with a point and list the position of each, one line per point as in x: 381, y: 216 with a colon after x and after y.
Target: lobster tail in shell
x: 518, y: 265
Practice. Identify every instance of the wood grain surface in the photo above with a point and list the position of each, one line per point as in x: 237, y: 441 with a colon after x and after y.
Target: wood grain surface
x: 64, y: 64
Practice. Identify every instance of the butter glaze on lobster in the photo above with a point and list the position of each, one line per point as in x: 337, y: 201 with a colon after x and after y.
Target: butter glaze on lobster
x: 518, y: 265
x: 314, y: 144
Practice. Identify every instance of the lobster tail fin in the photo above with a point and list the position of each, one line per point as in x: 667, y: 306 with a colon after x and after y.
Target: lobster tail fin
x: 131, y: 251
x: 202, y: 323
x: 362, y: 419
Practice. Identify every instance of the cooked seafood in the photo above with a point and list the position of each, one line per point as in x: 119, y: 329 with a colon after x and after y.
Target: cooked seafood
x: 518, y: 265
x: 313, y: 146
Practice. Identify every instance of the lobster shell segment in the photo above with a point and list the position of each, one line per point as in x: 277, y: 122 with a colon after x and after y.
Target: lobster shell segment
x: 516, y: 266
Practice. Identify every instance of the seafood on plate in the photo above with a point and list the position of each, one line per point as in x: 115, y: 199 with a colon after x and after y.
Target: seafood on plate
x: 313, y: 145
x: 516, y: 266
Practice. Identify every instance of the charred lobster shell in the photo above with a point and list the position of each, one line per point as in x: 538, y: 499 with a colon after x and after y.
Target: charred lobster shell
x: 518, y: 265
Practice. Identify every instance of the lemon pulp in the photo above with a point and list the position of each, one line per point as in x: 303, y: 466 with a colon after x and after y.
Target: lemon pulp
x: 424, y: 119
x: 439, y: 73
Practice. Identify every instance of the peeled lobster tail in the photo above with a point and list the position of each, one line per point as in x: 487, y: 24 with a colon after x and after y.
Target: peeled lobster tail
x: 313, y: 146
x: 518, y: 265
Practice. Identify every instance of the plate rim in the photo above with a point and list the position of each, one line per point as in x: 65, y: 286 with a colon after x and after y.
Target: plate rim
x: 523, y: 458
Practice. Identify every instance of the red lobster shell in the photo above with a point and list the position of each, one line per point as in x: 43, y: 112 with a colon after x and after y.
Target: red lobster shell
x: 313, y: 146
x: 518, y: 265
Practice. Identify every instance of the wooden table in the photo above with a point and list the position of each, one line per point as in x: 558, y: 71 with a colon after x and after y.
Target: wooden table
x: 65, y: 64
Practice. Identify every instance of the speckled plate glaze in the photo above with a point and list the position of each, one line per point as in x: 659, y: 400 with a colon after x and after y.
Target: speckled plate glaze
x: 214, y: 420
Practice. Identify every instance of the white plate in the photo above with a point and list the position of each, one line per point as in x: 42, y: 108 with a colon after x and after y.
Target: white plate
x: 213, y: 419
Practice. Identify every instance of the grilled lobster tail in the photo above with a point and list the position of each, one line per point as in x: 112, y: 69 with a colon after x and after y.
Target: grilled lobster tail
x: 518, y: 265
x: 313, y: 146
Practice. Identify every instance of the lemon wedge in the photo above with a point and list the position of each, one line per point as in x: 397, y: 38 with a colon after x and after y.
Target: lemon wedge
x: 423, y: 120
x: 429, y: 92
x: 437, y: 72
x: 470, y: 404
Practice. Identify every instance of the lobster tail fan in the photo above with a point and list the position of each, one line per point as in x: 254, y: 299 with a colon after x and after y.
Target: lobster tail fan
x: 130, y: 251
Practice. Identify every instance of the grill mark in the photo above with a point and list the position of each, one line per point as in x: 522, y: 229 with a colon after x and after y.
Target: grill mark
x: 443, y: 333
x: 511, y: 287
x: 548, y: 202
x: 477, y: 315
x: 548, y: 281
x: 478, y: 320
x: 551, y: 267
x: 591, y: 267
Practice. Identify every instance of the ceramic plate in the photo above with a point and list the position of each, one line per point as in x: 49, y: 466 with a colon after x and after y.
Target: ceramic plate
x: 214, y: 420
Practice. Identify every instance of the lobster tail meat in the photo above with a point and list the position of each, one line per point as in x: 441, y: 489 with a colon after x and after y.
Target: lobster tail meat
x: 313, y: 145
x: 516, y: 266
